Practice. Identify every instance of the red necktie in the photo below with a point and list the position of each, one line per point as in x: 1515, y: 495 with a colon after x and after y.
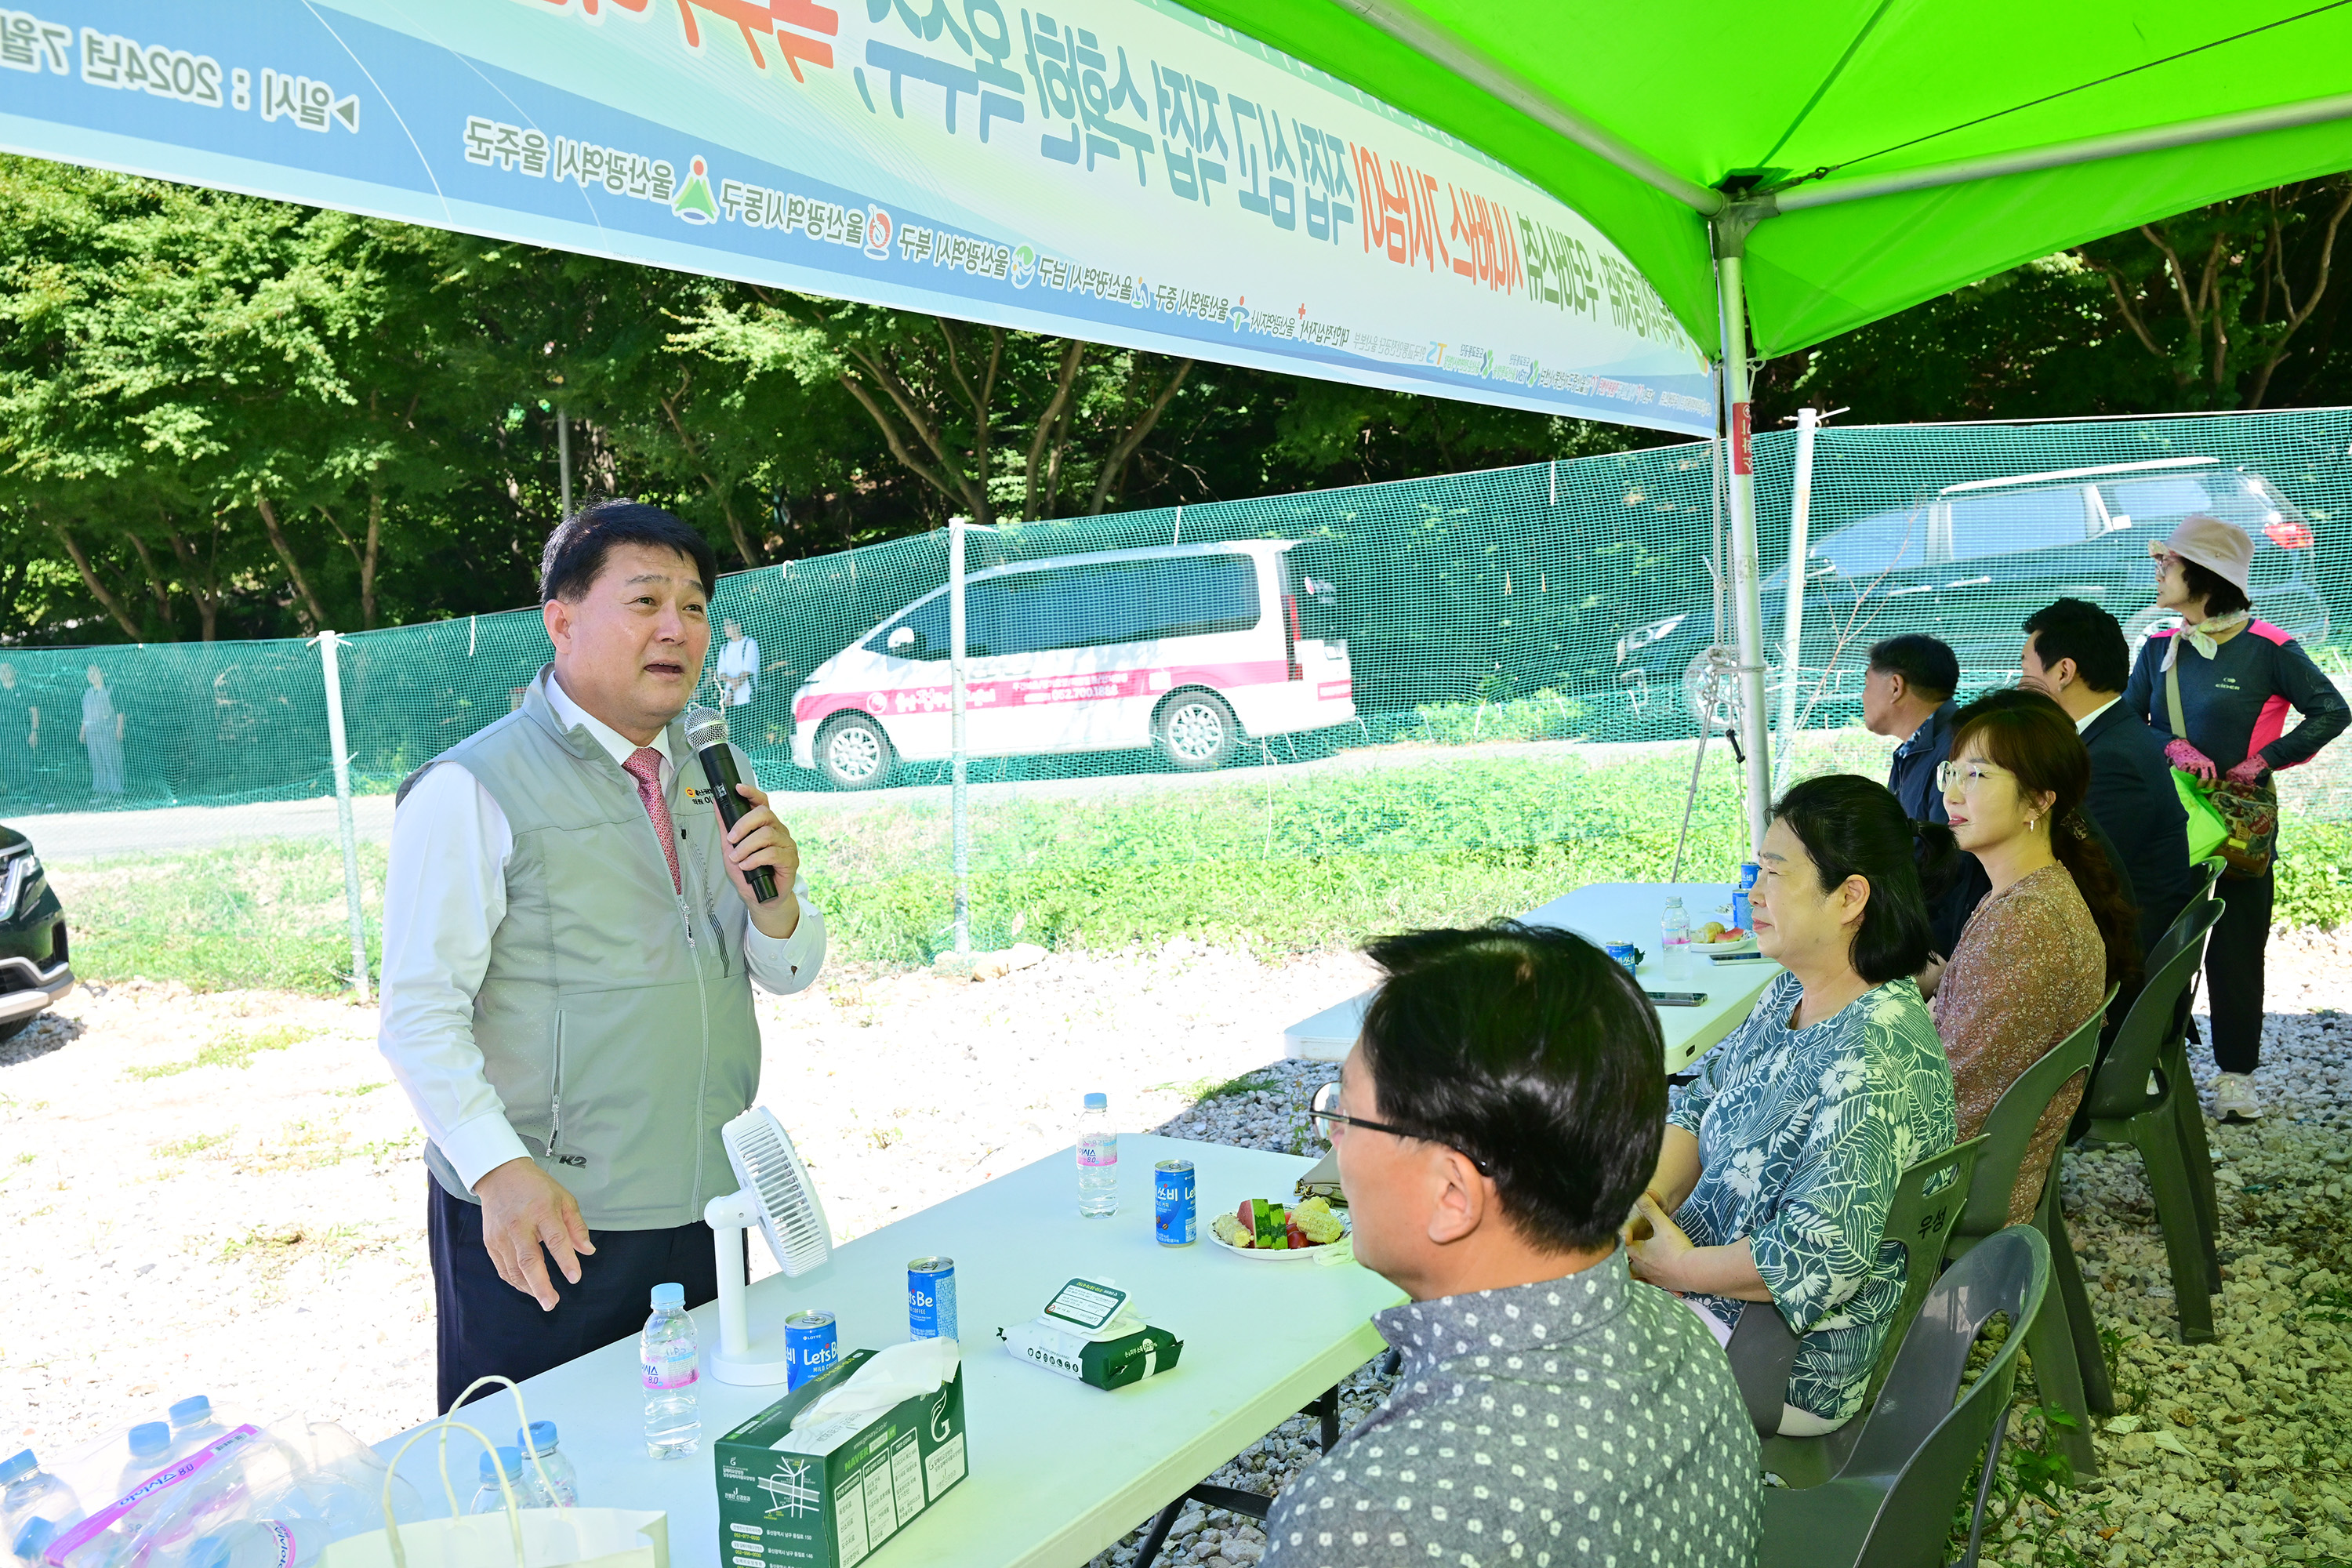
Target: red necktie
x: 644, y: 766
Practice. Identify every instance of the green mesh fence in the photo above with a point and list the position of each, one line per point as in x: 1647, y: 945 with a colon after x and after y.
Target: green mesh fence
x: 1565, y: 602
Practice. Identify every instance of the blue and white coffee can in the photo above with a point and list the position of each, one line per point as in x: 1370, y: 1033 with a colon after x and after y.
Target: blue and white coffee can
x: 812, y: 1345
x: 931, y: 1299
x: 1173, y: 1218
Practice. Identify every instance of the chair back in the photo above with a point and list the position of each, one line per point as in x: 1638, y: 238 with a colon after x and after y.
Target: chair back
x: 2208, y: 873
x: 1915, y: 1433
x: 1919, y: 1218
x: 2120, y: 1090
x: 2008, y: 1129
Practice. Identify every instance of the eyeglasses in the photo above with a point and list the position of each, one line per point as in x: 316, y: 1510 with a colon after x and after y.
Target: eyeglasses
x: 1968, y: 774
x: 1324, y: 1115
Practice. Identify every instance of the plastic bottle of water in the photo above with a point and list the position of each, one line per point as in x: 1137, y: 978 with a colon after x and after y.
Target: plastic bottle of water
x: 1673, y: 931
x: 667, y: 1353
x: 263, y: 1544
x: 488, y: 1497
x: 28, y: 1493
x: 32, y: 1538
x: 193, y: 1425
x: 540, y: 1437
x: 1097, y: 1159
x: 151, y: 1446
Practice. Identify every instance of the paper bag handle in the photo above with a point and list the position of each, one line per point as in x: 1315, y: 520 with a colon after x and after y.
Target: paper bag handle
x: 506, y: 1489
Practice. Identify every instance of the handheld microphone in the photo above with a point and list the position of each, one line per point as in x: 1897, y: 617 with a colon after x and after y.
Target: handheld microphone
x: 706, y: 732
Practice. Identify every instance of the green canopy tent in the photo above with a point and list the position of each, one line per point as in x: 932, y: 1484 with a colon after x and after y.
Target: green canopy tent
x: 1797, y: 170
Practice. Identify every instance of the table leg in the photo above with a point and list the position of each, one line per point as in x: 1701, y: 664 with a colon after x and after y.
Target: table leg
x: 1150, y: 1552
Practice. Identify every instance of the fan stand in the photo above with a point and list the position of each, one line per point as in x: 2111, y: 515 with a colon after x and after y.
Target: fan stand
x: 740, y: 1359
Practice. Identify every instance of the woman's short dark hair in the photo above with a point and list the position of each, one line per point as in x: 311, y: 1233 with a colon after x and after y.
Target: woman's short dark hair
x: 1853, y: 826
x: 576, y: 550
x: 1534, y: 1052
x: 2222, y: 597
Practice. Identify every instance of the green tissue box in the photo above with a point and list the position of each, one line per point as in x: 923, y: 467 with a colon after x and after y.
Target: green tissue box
x: 784, y: 1508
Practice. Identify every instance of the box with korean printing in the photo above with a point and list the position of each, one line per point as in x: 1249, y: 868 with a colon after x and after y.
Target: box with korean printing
x: 831, y: 1494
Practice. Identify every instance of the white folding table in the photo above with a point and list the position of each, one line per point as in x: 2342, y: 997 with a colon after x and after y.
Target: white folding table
x: 1059, y: 1470
x: 1606, y: 912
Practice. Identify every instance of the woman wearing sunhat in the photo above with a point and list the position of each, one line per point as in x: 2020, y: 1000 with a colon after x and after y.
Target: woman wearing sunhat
x: 2237, y: 678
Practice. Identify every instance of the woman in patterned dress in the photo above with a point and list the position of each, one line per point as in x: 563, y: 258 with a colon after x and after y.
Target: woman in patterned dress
x: 2036, y: 958
x: 1781, y: 1157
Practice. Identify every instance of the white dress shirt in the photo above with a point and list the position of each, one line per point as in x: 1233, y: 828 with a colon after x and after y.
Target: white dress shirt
x: 444, y: 894
x: 2084, y: 721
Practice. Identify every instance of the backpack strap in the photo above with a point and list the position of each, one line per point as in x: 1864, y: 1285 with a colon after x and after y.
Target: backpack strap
x: 2269, y: 633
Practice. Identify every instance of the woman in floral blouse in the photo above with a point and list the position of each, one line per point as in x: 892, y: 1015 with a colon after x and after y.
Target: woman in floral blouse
x: 1781, y: 1159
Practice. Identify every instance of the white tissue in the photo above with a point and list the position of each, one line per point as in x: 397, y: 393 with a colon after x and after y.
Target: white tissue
x: 889, y: 1380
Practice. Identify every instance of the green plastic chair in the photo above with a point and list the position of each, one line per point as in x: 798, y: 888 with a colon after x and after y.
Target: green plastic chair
x: 1927, y: 1201
x: 2007, y: 1135
x: 1890, y: 1504
x: 2191, y: 1114
x: 2123, y: 1110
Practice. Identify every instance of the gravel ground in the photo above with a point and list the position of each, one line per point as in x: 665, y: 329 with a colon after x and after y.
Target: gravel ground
x: 255, y: 1231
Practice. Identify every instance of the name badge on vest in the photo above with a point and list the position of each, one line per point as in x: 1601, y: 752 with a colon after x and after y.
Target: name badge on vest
x: 702, y: 796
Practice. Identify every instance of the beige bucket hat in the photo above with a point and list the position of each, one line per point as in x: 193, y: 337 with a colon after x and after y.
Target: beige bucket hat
x: 2219, y: 547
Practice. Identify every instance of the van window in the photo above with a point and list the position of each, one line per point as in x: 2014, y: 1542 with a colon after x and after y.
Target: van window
x: 1112, y: 602
x: 1891, y: 541
x: 2022, y: 519
x: 2148, y: 500
x: 929, y: 622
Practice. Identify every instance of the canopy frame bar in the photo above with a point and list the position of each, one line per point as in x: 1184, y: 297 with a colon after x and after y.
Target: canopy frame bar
x: 1483, y: 70
x: 2063, y: 155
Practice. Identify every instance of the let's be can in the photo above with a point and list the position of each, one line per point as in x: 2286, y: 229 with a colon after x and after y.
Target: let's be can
x: 931, y: 1299
x: 1175, y: 1218
x: 811, y: 1344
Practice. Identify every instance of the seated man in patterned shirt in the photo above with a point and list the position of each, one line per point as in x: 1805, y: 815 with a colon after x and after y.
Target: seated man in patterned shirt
x: 1495, y: 1124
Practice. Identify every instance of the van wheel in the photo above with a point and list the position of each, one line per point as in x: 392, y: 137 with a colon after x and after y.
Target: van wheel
x: 853, y: 752
x: 1195, y: 731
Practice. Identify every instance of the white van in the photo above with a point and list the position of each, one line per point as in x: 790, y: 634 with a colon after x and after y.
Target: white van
x: 1186, y: 647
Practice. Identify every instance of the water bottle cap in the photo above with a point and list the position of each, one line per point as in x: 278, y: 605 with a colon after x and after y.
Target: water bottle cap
x: 507, y: 1460
x: 668, y: 1298
x: 1097, y: 1103
x: 208, y: 1552
x: 35, y: 1537
x: 538, y: 1438
x: 1674, y: 900
x: 20, y: 1463
x: 150, y: 1437
x: 189, y: 1410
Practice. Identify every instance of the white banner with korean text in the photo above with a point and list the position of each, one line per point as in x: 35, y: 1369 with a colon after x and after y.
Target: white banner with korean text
x: 1122, y: 170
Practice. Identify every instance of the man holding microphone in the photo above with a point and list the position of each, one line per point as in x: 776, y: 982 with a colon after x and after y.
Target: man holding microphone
x: 569, y: 947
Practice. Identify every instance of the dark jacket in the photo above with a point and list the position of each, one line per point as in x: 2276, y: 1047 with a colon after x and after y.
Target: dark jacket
x: 1911, y: 773
x: 2236, y: 704
x: 2133, y: 799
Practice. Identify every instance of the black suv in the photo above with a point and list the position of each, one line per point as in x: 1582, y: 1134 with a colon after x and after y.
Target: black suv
x: 1968, y: 564
x: 33, y: 968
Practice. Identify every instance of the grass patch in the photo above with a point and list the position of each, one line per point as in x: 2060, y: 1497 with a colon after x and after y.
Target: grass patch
x: 1274, y: 861
x: 1202, y: 1090
x: 266, y: 914
x: 237, y: 1050
x: 358, y: 1089
x: 188, y: 1148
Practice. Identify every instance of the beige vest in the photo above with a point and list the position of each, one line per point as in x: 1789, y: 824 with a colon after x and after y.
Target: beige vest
x: 615, y: 1018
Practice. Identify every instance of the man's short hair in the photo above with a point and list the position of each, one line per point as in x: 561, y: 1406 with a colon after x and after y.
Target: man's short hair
x: 1534, y: 1052
x: 1928, y: 666
x: 576, y: 550
x: 2080, y: 630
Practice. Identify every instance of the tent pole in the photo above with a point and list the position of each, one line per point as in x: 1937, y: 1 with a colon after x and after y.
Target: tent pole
x: 1792, y: 621
x: 1746, y: 604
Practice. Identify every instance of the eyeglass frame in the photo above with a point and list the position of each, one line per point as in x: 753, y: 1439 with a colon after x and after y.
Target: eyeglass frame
x: 1315, y: 1114
x: 1944, y: 773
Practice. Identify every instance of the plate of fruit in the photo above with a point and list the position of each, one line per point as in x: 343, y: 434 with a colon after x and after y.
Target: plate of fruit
x: 1717, y: 937
x: 1267, y: 1230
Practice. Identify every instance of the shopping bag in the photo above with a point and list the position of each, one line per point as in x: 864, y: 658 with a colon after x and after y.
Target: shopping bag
x: 516, y: 1538
x: 2236, y: 821
x: 2206, y: 828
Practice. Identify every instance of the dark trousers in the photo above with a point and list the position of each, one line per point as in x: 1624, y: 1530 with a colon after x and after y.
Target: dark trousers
x: 2234, y: 972
x: 484, y: 1325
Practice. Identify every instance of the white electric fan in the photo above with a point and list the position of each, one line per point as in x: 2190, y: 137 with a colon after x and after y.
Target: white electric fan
x: 778, y: 1196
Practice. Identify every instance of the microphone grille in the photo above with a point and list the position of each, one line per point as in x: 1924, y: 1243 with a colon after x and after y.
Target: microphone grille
x: 705, y: 727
